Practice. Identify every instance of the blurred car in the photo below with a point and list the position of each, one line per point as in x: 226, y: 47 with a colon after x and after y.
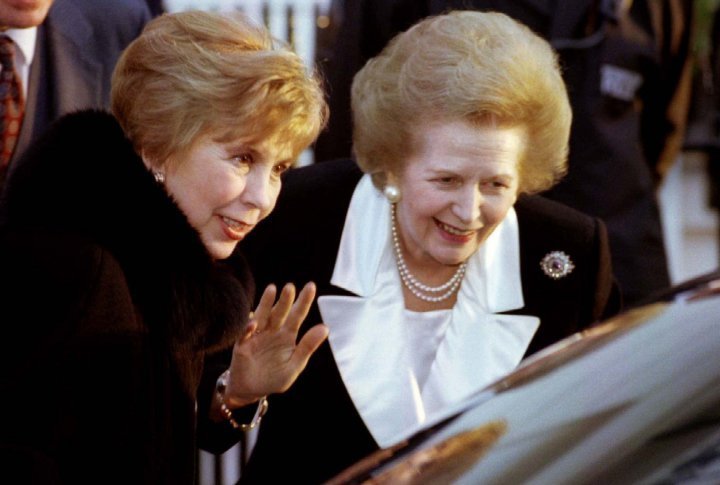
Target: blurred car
x: 635, y: 399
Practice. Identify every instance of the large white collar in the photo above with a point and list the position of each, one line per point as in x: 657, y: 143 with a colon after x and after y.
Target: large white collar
x: 369, y: 332
x: 492, y: 280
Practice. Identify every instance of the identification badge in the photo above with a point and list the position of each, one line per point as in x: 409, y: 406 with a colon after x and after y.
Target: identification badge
x: 619, y: 83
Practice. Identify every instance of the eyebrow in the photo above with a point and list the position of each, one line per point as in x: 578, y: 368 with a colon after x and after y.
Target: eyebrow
x: 450, y: 171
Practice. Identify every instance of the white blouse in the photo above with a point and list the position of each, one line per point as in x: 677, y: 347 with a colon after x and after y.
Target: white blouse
x: 400, y: 366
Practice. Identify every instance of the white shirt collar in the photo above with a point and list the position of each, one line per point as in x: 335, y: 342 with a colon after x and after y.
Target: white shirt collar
x: 492, y: 278
x: 369, y: 332
x: 25, y: 40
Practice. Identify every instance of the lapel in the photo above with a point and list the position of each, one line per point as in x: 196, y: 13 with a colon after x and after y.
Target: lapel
x: 77, y: 77
x: 62, y: 77
x: 36, y: 116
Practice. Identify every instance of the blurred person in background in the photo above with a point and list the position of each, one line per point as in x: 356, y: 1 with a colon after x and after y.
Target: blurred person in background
x: 703, y: 133
x: 57, y: 56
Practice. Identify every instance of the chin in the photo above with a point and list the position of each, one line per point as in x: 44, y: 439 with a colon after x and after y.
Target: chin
x: 459, y: 258
x: 451, y: 260
x: 221, y: 251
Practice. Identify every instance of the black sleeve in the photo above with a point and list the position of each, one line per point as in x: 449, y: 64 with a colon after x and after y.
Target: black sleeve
x: 217, y: 437
x: 74, y: 391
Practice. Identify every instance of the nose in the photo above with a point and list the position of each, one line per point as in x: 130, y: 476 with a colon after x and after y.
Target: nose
x: 467, y: 205
x: 258, y: 191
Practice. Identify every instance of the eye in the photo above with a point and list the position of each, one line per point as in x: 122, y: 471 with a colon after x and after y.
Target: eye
x: 281, y: 168
x: 496, y: 185
x: 447, y: 180
x: 242, y: 161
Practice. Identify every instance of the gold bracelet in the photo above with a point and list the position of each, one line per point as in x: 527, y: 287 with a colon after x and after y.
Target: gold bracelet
x: 228, y: 414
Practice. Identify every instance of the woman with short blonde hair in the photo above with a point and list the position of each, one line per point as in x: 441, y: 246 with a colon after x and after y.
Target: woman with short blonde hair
x: 191, y: 74
x: 113, y: 241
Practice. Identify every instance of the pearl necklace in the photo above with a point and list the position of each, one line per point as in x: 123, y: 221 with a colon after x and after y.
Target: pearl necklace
x: 420, y: 290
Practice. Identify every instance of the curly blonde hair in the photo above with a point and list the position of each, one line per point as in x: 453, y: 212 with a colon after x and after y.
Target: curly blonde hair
x: 193, y: 73
x: 480, y: 67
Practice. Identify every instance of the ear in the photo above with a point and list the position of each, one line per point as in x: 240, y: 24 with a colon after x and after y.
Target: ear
x: 391, y: 191
x: 146, y: 160
x: 152, y: 165
x: 157, y: 170
x: 391, y: 178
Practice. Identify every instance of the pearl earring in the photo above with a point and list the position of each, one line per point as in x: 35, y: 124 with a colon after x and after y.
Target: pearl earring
x: 159, y: 176
x: 392, y: 193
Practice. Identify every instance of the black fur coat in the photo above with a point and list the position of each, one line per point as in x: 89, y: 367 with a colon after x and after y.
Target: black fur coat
x: 108, y: 304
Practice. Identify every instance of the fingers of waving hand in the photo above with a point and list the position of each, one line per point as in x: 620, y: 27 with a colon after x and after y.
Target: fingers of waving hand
x: 309, y: 343
x: 261, y: 315
x: 280, y: 310
x: 301, y: 307
x: 267, y: 357
x: 286, y: 311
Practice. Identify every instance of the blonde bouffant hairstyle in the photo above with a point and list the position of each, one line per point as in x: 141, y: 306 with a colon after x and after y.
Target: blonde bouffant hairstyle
x: 480, y: 67
x: 195, y: 73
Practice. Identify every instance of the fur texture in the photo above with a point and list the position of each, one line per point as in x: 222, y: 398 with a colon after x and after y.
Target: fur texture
x: 84, y: 177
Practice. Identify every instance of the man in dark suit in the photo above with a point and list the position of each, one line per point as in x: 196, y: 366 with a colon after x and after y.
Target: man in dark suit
x: 67, y: 52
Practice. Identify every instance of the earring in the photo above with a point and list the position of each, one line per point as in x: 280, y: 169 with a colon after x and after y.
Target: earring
x: 392, y: 193
x: 159, y: 176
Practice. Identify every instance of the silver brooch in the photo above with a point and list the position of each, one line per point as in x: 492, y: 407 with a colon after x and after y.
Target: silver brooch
x: 557, y: 265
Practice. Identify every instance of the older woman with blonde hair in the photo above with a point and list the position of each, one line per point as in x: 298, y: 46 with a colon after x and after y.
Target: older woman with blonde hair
x: 483, y: 81
x: 113, y: 286
x: 437, y: 271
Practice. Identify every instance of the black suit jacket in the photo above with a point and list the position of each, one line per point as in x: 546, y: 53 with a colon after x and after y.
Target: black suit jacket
x: 313, y: 430
x: 76, y: 51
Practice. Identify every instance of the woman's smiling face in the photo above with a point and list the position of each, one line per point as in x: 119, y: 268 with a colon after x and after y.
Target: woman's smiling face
x: 226, y: 188
x: 456, y: 188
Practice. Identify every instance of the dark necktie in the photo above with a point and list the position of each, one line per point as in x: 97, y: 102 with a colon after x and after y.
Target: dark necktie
x: 11, y: 101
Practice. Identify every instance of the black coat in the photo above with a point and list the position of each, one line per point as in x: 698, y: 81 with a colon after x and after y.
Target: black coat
x: 313, y: 431
x: 109, y: 303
